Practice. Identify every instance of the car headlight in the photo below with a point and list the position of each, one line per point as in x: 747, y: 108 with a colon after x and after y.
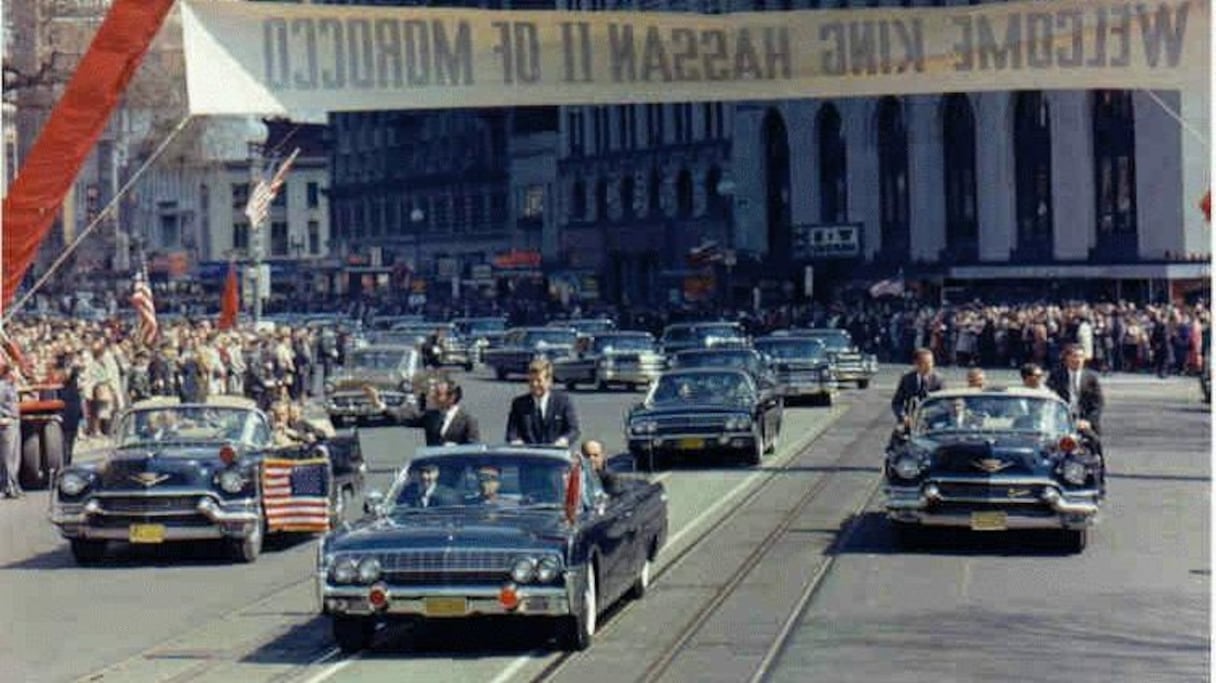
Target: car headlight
x: 369, y: 570
x: 548, y: 569
x: 231, y: 481
x: 71, y: 484
x: 345, y: 571
x: 908, y: 467
x: 739, y: 423
x: 644, y: 427
x: 330, y: 387
x: 825, y: 374
x: 1074, y: 472
x: 523, y: 570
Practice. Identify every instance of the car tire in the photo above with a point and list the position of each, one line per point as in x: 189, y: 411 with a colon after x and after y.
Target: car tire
x: 352, y: 634
x: 578, y: 629
x: 246, y: 550
x: 500, y: 374
x: 775, y: 441
x: 52, y: 448
x: 87, y: 552
x: 863, y: 384
x: 647, y: 461
x: 756, y: 454
x: 31, y: 475
x: 824, y: 400
x: 642, y: 583
x: 468, y: 366
x: 1075, y: 540
x: 571, y: 385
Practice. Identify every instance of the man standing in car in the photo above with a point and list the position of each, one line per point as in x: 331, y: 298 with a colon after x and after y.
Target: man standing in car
x: 1080, y: 387
x: 542, y: 416
x: 915, y: 385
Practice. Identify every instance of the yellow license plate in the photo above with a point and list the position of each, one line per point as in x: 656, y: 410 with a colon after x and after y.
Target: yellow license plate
x: 445, y: 607
x: 690, y: 444
x: 988, y: 521
x: 147, y: 533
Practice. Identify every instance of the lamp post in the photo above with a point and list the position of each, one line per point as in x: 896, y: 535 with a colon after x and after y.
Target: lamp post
x: 255, y: 231
x: 297, y: 248
x: 416, y: 218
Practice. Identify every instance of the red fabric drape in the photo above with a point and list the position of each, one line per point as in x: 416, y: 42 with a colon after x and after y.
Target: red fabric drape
x: 230, y: 306
x: 1205, y: 205
x: 574, y: 490
x: 76, y: 122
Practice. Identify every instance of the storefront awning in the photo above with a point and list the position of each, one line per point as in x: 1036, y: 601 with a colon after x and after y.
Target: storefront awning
x: 1127, y: 271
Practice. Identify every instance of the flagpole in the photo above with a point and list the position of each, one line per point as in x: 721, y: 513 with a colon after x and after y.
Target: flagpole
x: 255, y: 233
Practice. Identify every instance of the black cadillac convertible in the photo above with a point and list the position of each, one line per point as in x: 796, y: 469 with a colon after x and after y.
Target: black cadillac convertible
x: 200, y: 472
x: 695, y: 411
x: 991, y: 460
x: 521, y: 533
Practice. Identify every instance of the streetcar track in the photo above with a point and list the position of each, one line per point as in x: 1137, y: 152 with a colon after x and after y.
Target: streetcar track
x: 555, y: 667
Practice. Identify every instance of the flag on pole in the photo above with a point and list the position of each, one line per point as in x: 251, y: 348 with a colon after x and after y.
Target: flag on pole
x: 145, y: 308
x: 230, y: 305
x: 295, y: 494
x: 888, y: 287
x: 264, y: 192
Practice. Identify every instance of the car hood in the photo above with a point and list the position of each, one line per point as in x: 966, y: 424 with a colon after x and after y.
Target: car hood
x: 1016, y: 452
x: 462, y: 528
x: 147, y: 469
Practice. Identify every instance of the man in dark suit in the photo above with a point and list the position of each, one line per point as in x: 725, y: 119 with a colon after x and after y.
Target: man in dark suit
x: 426, y: 491
x: 1081, y: 388
x: 542, y: 416
x: 447, y: 422
x: 916, y: 384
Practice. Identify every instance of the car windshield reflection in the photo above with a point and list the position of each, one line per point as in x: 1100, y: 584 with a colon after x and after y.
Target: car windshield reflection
x: 791, y: 349
x: 479, y: 482
x: 203, y: 424
x: 986, y: 412
x: 731, y: 388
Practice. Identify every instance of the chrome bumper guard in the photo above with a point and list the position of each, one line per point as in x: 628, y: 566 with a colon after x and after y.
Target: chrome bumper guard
x: 480, y: 600
x: 1068, y: 509
x: 631, y: 375
x: 235, y: 520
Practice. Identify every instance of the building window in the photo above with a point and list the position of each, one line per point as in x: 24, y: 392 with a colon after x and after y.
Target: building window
x: 314, y: 237
x: 893, y: 179
x: 602, y: 140
x: 601, y: 199
x: 654, y: 193
x: 684, y: 194
x: 627, y: 126
x: 240, y: 195
x: 1032, y: 162
x: 240, y: 237
x: 578, y: 201
x: 627, y: 191
x: 712, y: 114
x: 314, y: 195
x: 833, y: 167
x: 1115, y: 167
x: 714, y: 201
x: 958, y: 150
x: 654, y: 125
x: 533, y: 205
x: 684, y: 131
x: 574, y: 128
x: 278, y: 238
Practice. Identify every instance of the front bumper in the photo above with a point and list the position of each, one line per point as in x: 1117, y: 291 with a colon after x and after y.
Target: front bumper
x: 689, y: 443
x: 1055, y: 508
x: 823, y: 388
x: 208, y: 519
x: 549, y: 601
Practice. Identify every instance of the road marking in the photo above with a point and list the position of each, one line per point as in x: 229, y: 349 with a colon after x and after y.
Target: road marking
x: 519, y: 663
x: 334, y: 668
x: 325, y: 657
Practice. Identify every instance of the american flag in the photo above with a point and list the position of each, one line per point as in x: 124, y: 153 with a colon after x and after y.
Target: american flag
x: 295, y: 494
x: 145, y: 307
x: 264, y: 193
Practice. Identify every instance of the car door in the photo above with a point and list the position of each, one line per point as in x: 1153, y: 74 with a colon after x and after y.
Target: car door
x: 610, y: 532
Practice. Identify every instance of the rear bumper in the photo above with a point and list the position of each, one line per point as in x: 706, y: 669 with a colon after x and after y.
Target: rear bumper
x: 1055, y: 509
x: 681, y: 443
x: 630, y: 375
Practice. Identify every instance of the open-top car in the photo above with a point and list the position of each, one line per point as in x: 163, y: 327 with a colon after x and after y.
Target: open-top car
x: 628, y: 358
x: 682, y: 336
x: 194, y: 472
x: 453, y: 348
x: 995, y: 459
x: 395, y: 371
x: 527, y: 533
x: 851, y: 364
x: 704, y: 410
x: 522, y: 345
x: 801, y: 367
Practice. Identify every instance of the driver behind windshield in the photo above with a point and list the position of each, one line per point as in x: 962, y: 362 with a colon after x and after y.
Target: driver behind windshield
x: 425, y: 491
x: 958, y: 416
x: 489, y: 481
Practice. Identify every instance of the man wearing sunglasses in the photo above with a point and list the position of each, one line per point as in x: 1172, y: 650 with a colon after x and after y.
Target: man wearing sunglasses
x: 488, y: 482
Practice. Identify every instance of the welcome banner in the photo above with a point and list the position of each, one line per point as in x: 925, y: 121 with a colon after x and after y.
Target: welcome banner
x: 285, y: 59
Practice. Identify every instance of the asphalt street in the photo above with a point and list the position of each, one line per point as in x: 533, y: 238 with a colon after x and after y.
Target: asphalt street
x: 746, y: 546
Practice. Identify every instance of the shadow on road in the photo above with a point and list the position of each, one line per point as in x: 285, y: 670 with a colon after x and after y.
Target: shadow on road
x: 871, y: 534
x: 126, y: 556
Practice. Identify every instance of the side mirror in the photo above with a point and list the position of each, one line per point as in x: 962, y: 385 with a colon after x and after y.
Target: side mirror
x: 373, y: 503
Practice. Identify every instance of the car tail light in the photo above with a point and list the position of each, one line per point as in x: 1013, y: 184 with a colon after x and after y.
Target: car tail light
x: 508, y: 597
x: 227, y: 454
x: 377, y: 597
x: 1068, y: 444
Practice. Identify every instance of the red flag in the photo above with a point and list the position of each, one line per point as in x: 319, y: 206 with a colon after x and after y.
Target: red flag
x: 76, y: 122
x: 1205, y: 205
x: 230, y: 306
x: 574, y: 490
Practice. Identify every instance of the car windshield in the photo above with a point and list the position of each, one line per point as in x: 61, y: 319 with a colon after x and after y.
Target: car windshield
x: 791, y: 349
x: 834, y: 341
x: 187, y: 424
x: 483, y: 326
x: 731, y: 388
x: 728, y: 331
x: 623, y: 343
x: 743, y: 361
x: 993, y: 412
x: 591, y: 326
x: 407, y: 337
x: 549, y: 337
x: 677, y: 334
x: 369, y: 359
x: 497, y: 480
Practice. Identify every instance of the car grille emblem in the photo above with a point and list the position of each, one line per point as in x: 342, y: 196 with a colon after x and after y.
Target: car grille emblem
x: 991, y: 465
x: 149, y: 479
x: 1018, y: 493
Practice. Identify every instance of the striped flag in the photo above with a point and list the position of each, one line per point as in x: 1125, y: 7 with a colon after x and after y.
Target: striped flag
x: 295, y: 494
x: 264, y: 193
x: 145, y: 308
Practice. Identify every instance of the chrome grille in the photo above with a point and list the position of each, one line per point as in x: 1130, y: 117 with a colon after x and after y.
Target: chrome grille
x: 709, y: 425
x: 984, y: 492
x: 445, y: 578
x: 138, y: 505
x: 465, y: 561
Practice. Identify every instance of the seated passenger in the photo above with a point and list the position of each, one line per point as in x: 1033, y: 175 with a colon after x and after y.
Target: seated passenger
x: 426, y: 491
x: 488, y: 483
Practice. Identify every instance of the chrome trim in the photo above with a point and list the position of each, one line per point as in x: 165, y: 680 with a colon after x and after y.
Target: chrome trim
x: 172, y: 533
x: 1012, y: 520
x: 481, y: 601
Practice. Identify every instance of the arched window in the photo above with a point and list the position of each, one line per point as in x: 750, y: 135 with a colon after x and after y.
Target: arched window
x: 958, y: 152
x: 601, y: 199
x: 777, y: 185
x: 1115, y: 173
x: 578, y: 201
x: 833, y: 167
x: 684, y: 194
x: 715, y: 203
x: 893, y: 180
x: 1032, y: 150
x: 654, y: 194
x: 627, y: 192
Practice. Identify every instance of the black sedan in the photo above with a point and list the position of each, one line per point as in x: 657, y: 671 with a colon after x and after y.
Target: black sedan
x: 991, y: 460
x: 682, y: 336
x: 801, y: 367
x: 698, y: 411
x: 739, y: 358
x: 513, y: 532
x: 522, y: 345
